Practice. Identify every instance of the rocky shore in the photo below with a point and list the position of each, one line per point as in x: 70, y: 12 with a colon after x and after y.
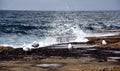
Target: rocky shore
x: 96, y: 58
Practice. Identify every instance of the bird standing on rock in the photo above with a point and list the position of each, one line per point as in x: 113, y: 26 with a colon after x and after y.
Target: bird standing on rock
x: 70, y: 46
x: 26, y: 49
x: 104, y: 42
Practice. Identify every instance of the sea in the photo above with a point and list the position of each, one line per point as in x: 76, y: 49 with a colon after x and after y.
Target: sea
x: 18, y: 28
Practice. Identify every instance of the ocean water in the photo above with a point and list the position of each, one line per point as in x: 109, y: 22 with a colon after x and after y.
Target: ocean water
x: 52, y: 27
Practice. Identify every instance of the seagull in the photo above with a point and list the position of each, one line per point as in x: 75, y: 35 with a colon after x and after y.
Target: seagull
x: 30, y: 47
x: 35, y: 44
x: 104, y: 42
x: 70, y: 46
x: 26, y: 49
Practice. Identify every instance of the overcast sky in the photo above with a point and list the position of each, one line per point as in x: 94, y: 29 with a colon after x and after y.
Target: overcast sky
x: 59, y: 4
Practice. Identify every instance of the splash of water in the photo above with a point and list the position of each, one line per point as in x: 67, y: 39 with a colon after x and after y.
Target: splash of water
x: 63, y: 32
x: 48, y: 41
x: 80, y: 35
x: 67, y: 29
x: 77, y: 35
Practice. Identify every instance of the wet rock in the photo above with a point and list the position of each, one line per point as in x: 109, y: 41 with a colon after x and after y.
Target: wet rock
x: 106, y: 69
x: 113, y: 45
x: 98, y: 40
x: 116, y: 69
x: 2, y: 48
x: 109, y: 31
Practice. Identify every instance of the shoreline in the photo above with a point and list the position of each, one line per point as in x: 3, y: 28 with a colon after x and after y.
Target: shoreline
x: 97, y: 58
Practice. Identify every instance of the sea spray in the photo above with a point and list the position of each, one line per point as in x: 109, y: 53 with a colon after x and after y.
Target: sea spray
x: 68, y: 29
x: 48, y: 41
x: 75, y: 35
x: 80, y: 35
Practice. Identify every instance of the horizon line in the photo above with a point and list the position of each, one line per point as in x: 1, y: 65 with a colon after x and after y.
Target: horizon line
x: 52, y: 10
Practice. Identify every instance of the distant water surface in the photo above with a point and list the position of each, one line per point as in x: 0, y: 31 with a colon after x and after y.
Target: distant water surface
x: 24, y: 27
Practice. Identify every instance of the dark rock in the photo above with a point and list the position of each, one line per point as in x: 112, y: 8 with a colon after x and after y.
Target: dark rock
x: 106, y: 69
x: 116, y: 69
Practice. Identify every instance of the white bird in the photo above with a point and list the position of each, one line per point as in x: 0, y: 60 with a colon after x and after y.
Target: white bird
x: 70, y: 46
x: 30, y: 47
x: 104, y: 42
x: 26, y: 48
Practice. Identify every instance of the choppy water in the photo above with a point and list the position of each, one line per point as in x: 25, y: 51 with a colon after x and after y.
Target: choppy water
x: 50, y: 27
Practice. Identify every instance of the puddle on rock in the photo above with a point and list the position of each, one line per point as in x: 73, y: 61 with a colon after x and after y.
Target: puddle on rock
x: 91, y: 49
x: 50, y: 65
x: 116, y: 52
x: 116, y: 58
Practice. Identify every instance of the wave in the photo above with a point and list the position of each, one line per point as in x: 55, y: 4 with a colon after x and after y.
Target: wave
x: 51, y: 40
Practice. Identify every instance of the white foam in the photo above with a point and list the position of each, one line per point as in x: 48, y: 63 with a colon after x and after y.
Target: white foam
x: 48, y: 41
x: 51, y: 40
x: 79, y: 34
x: 68, y: 29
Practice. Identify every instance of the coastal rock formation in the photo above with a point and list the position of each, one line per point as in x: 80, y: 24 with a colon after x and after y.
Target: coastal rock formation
x: 115, y: 45
x: 98, y: 40
x: 7, y: 48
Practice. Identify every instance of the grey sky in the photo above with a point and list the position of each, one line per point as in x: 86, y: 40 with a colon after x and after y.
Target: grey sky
x: 59, y: 4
